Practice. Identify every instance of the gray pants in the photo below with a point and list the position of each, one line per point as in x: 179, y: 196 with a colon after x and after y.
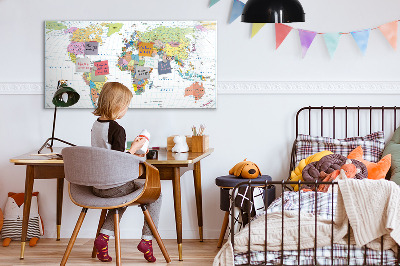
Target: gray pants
x: 154, y: 208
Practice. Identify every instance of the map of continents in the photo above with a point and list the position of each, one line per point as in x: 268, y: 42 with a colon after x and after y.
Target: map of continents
x: 166, y: 64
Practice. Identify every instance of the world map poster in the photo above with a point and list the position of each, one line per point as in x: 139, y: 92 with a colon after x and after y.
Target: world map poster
x: 166, y: 64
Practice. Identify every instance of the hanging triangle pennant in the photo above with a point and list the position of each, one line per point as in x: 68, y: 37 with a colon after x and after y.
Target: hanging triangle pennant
x: 332, y: 41
x: 306, y: 39
x: 213, y: 2
x: 389, y: 30
x: 256, y: 27
x: 361, y: 37
x: 237, y: 9
x: 281, y: 31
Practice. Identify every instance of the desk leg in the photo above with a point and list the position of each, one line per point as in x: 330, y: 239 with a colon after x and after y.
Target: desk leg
x: 60, y: 190
x: 176, y: 182
x: 199, y: 204
x: 27, y: 206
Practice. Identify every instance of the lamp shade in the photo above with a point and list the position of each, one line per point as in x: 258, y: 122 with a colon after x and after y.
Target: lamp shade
x: 273, y: 11
x: 65, y: 96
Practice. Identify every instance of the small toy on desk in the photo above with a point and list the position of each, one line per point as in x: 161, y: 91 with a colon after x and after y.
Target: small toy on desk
x: 245, y: 169
x: 13, y: 215
x: 180, y: 144
x: 152, y: 154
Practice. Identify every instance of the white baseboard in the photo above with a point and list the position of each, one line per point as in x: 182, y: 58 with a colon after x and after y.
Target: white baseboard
x: 259, y: 87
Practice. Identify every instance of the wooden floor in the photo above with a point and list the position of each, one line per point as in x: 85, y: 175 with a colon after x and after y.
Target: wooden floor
x: 50, y: 252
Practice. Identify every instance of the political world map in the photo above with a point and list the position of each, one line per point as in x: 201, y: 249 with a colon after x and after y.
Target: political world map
x: 166, y: 64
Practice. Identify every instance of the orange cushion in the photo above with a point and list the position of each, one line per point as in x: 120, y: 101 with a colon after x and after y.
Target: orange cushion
x: 375, y: 170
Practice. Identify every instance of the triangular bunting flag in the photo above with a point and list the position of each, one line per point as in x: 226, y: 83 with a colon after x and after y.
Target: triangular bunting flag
x: 332, y: 41
x: 213, y: 2
x: 237, y: 9
x: 361, y: 38
x: 390, y: 32
x: 306, y: 39
x: 255, y: 28
x: 281, y: 31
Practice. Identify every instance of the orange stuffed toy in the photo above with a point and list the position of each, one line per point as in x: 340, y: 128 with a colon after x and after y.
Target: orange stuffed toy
x: 375, y: 170
x: 245, y: 169
x: 12, y: 225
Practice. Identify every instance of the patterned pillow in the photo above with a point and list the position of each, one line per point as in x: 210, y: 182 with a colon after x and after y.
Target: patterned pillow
x: 372, y: 144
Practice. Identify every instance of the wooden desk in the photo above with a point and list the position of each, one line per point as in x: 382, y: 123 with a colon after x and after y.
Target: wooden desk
x: 171, y: 167
x: 40, y: 167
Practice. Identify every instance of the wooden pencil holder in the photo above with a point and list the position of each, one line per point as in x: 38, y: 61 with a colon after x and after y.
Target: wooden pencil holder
x: 200, y: 143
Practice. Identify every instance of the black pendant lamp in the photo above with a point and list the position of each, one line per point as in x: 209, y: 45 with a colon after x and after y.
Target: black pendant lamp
x: 273, y: 11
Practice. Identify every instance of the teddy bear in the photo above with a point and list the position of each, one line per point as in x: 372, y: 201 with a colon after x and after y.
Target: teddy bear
x: 245, y: 169
x: 13, y: 215
x: 180, y: 144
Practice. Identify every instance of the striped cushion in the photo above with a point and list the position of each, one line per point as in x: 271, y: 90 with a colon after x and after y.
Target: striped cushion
x: 372, y: 145
x: 13, y: 228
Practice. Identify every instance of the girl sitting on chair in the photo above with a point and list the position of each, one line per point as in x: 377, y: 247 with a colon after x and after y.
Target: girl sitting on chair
x: 106, y: 133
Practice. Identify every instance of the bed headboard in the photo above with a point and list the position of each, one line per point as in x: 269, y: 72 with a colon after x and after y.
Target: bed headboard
x: 344, y: 118
x: 344, y: 121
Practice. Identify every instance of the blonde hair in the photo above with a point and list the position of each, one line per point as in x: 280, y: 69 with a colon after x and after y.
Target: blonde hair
x: 114, y: 96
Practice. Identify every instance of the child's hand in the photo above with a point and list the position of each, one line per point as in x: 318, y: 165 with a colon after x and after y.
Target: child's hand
x: 143, y: 155
x: 137, y: 144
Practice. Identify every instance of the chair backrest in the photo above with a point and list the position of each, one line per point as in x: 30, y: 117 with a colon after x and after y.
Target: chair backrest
x: 92, y: 166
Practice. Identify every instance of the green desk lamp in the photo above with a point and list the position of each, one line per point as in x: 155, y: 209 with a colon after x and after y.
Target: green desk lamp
x: 64, y: 97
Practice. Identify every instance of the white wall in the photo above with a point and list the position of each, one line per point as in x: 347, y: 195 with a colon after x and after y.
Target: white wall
x: 257, y: 127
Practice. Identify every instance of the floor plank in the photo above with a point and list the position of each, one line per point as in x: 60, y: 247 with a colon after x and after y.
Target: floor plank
x: 49, y: 252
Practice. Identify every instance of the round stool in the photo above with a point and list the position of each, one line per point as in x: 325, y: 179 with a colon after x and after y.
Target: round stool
x: 228, y: 182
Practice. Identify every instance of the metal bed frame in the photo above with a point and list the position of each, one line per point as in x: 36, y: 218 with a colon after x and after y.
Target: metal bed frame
x: 283, y: 184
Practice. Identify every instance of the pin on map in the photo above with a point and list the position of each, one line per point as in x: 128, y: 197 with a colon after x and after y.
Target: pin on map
x: 94, y: 78
x: 101, y: 68
x: 151, y: 62
x: 82, y: 65
x: 164, y: 67
x: 91, y: 48
x: 142, y: 72
x: 145, y: 49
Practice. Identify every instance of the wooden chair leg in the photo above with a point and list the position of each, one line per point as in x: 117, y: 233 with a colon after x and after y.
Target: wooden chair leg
x: 223, y: 229
x: 101, y: 222
x: 117, y: 238
x: 73, y: 237
x: 154, y: 230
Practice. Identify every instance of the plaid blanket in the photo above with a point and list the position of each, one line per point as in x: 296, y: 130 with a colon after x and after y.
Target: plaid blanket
x: 324, y: 257
x: 323, y: 205
x: 306, y: 201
